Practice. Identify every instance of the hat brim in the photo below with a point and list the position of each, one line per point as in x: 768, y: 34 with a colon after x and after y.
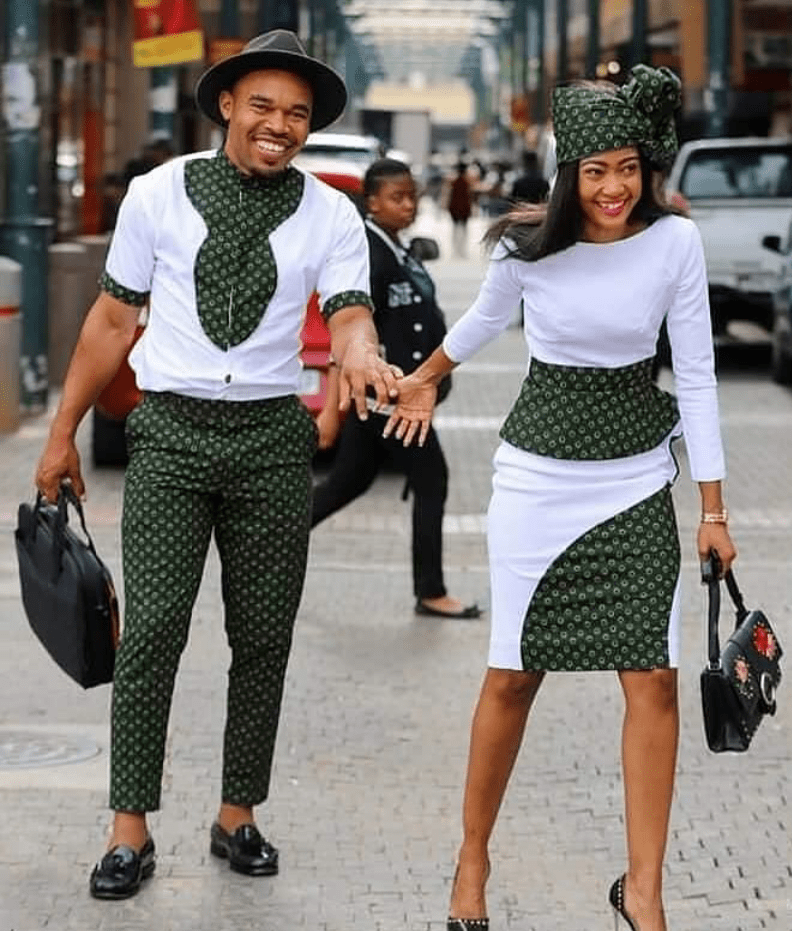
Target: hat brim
x: 329, y: 91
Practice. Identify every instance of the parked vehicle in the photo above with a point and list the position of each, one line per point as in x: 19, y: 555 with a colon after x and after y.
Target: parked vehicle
x: 781, y: 338
x: 737, y: 191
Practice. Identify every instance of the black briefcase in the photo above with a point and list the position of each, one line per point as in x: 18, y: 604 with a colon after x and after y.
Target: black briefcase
x: 67, y: 590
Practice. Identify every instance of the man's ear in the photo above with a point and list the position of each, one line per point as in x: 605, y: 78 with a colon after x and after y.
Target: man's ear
x: 224, y: 103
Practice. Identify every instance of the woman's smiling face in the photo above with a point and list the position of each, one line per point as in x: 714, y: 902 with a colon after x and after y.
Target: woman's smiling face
x: 609, y: 187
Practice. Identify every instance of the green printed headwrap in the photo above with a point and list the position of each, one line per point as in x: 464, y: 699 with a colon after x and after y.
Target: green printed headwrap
x: 640, y: 113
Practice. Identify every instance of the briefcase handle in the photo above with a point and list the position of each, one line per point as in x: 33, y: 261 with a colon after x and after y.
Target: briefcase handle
x: 66, y: 496
x: 710, y: 576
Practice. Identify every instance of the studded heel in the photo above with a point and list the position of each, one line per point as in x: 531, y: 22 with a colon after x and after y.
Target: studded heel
x: 467, y: 924
x: 616, y: 898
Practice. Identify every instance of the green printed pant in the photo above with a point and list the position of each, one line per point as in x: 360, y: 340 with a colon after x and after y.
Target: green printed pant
x: 240, y: 470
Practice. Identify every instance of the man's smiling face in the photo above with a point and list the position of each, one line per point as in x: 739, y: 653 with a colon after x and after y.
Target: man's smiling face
x: 269, y: 116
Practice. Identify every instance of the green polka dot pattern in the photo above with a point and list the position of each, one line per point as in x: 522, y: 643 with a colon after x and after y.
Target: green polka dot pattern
x: 240, y: 470
x: 575, y: 412
x: 346, y: 299
x: 640, y: 113
x: 119, y: 292
x: 235, y: 270
x: 605, y: 602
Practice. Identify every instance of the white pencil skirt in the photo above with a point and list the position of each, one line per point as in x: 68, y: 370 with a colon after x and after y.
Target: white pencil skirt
x: 584, y: 562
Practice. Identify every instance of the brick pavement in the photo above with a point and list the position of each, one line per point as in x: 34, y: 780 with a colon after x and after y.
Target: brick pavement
x: 371, y: 754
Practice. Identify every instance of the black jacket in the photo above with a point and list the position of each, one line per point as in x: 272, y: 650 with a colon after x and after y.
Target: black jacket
x: 409, y: 322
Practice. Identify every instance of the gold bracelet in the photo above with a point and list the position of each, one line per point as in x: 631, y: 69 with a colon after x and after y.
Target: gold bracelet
x: 715, y: 517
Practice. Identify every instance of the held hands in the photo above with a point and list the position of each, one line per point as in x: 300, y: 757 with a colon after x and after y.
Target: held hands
x: 412, y: 415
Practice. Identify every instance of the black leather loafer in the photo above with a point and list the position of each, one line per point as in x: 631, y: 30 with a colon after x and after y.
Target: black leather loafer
x: 246, y: 850
x: 121, y: 870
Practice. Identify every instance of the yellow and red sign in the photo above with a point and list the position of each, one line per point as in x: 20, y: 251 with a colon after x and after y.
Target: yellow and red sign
x: 167, y: 32
x: 223, y: 48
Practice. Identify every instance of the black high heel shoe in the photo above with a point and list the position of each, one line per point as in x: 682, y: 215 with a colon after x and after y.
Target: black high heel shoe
x: 616, y: 898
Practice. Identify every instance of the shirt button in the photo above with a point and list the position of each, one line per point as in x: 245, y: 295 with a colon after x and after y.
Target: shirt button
x: 417, y: 327
x: 417, y: 299
x: 227, y: 379
x: 417, y: 355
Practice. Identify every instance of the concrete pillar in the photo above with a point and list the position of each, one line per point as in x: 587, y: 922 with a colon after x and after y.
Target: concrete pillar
x: 68, y: 271
x: 10, y: 343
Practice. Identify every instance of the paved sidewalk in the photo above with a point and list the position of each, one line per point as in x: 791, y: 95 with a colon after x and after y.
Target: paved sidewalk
x: 371, y: 754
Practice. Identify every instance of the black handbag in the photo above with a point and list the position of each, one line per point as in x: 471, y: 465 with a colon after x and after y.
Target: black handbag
x: 738, y: 685
x: 67, y: 590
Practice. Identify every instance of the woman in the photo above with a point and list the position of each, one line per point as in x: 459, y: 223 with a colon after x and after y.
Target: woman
x: 584, y: 551
x: 409, y: 325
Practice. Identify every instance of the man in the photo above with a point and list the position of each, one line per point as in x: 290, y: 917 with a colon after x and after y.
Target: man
x: 226, y: 248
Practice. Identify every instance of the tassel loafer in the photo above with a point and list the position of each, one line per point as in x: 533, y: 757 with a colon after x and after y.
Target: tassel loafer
x: 467, y: 924
x: 246, y: 850
x: 120, y: 872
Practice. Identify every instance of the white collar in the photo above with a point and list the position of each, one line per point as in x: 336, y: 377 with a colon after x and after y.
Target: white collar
x: 397, y: 248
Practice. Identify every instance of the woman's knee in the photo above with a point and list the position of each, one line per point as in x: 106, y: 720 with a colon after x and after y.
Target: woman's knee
x: 653, y: 689
x: 512, y: 686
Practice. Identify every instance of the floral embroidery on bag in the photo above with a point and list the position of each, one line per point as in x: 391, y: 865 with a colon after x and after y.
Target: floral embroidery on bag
x: 742, y: 677
x: 764, y: 642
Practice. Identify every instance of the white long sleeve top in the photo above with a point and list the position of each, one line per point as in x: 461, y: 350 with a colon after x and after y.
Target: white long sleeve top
x: 602, y: 305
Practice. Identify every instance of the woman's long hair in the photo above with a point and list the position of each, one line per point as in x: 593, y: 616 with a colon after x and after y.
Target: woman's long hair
x: 534, y: 231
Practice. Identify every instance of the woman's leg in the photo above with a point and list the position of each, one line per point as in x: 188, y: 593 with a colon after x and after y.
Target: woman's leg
x: 357, y: 461
x: 496, y: 733
x: 649, y: 749
x: 427, y: 474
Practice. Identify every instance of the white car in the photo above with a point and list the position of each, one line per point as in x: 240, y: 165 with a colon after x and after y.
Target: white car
x: 738, y: 191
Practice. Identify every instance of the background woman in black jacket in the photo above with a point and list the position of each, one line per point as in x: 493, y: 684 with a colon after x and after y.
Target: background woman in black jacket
x: 410, y: 326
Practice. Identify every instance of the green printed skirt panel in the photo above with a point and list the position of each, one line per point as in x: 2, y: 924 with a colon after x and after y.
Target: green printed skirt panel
x: 583, y: 542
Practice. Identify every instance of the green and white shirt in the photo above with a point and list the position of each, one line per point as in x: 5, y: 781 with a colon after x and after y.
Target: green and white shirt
x: 227, y: 264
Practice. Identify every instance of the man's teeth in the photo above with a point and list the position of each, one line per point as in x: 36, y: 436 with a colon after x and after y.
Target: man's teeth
x: 271, y: 146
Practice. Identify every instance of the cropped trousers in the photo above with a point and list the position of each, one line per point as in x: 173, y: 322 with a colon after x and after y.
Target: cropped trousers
x: 238, y: 471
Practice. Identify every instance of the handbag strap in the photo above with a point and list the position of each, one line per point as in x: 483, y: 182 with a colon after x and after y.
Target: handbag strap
x: 736, y: 597
x: 709, y: 576
x: 710, y: 572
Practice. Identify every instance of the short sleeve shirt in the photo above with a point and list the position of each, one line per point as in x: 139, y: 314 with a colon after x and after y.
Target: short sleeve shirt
x: 227, y: 264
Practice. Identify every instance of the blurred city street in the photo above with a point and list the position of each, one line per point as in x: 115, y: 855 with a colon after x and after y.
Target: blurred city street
x: 370, y: 762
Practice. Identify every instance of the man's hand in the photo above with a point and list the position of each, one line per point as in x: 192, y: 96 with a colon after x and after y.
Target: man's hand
x: 59, y: 462
x: 412, y: 416
x: 363, y: 366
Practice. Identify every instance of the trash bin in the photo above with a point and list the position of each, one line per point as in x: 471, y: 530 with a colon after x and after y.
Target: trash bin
x: 10, y: 343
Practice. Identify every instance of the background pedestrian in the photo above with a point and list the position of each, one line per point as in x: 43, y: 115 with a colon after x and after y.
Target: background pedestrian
x: 460, y: 207
x: 410, y: 325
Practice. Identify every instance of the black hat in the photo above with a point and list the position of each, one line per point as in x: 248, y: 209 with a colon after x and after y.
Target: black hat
x: 281, y: 50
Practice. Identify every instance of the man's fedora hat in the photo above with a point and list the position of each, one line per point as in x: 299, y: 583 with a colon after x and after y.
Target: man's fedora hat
x: 282, y: 50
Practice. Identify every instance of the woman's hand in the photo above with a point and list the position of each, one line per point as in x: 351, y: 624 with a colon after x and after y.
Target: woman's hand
x: 412, y: 415
x: 328, y: 423
x: 716, y: 537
